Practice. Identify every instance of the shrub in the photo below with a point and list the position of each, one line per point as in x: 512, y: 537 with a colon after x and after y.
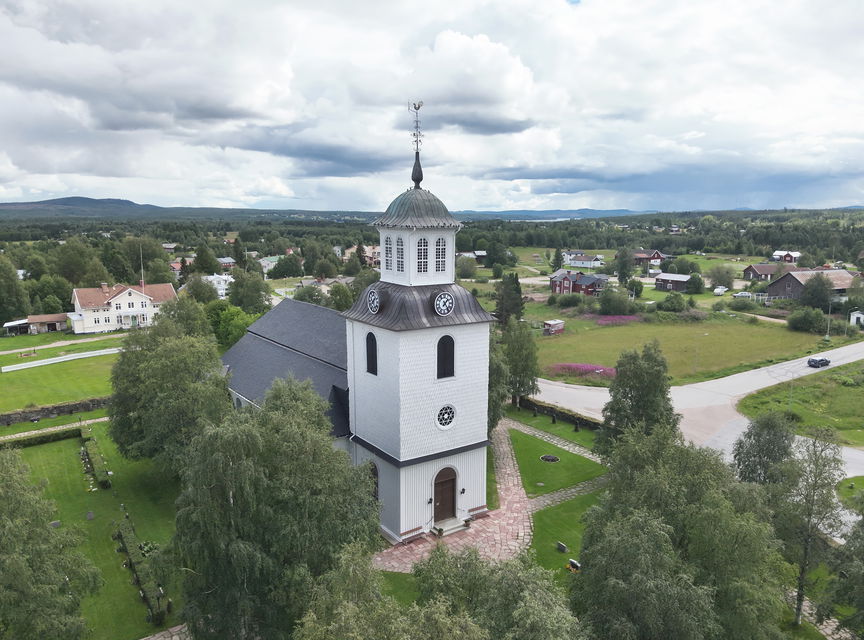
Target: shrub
x: 41, y: 438
x: 742, y: 304
x: 695, y: 284
x: 693, y: 315
x: 475, y: 292
x: 543, y: 272
x: 497, y: 271
x: 810, y: 320
x: 615, y: 303
x: 581, y: 370
x: 718, y: 306
x: 570, y: 300
x: 673, y: 302
x: 481, y: 279
x: 137, y: 551
x: 551, y: 300
x: 97, y: 464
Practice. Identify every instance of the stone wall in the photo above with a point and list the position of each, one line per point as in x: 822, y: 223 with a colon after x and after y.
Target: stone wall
x: 65, y: 408
x: 559, y: 413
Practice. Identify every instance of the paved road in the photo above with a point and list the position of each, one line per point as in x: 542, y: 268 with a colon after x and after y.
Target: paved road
x: 708, y: 408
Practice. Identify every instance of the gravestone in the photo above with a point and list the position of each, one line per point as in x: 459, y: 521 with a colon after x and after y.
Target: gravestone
x: 54, y: 524
x: 90, y: 515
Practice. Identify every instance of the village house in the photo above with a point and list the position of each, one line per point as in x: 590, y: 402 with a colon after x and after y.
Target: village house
x: 404, y: 370
x: 565, y: 281
x: 671, y: 282
x: 782, y: 255
x: 644, y: 257
x: 104, y: 308
x: 791, y: 285
x: 218, y: 281
x: 226, y: 263
x: 585, y: 262
x: 764, y: 271
x: 267, y: 263
x: 170, y: 247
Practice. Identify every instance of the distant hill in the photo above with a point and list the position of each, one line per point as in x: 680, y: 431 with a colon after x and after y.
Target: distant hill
x: 77, y: 206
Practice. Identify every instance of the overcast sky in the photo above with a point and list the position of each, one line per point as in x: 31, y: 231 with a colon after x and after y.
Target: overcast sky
x: 529, y: 104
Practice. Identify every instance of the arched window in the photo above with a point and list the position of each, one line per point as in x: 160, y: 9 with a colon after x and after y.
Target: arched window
x: 371, y: 354
x: 446, y: 349
x: 422, y: 255
x: 400, y: 255
x: 440, y: 255
x: 388, y: 253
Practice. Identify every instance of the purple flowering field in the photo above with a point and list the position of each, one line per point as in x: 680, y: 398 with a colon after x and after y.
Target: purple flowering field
x: 577, y: 369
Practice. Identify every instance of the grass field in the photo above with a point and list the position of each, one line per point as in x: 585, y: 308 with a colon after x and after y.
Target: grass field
x: 695, y: 351
x: 115, y: 612
x: 848, y: 487
x: 21, y: 427
x: 55, y: 383
x: 7, y: 343
x: 583, y: 437
x: 42, y: 354
x: 402, y: 587
x: 561, y: 523
x: 821, y: 399
x: 540, y: 477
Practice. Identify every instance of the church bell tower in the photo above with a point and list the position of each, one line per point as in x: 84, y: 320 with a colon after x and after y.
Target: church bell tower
x: 418, y: 366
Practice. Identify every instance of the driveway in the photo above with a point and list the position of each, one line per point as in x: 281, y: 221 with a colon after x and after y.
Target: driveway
x: 709, y: 416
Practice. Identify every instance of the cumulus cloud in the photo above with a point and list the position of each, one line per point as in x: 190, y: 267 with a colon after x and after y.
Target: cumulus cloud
x: 646, y: 104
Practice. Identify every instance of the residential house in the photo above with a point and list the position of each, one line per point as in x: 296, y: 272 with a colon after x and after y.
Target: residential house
x: 227, y: 263
x: 480, y: 255
x: 40, y: 323
x: 267, y: 263
x: 170, y: 247
x: 218, y: 281
x: 782, y: 255
x: 565, y: 281
x: 371, y: 253
x: 21, y: 273
x: 856, y: 319
x: 791, y: 285
x: 764, y: 271
x: 104, y: 308
x: 649, y: 257
x: 586, y: 262
x: 671, y: 282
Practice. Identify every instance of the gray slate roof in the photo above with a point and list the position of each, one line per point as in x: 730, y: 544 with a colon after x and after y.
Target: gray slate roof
x: 296, y: 338
x: 404, y: 308
x: 680, y: 277
x: 417, y: 208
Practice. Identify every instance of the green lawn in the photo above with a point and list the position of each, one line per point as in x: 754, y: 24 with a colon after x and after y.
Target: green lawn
x: 8, y: 343
x: 540, y: 477
x: 561, y: 523
x: 695, y: 351
x: 55, y: 383
x: 491, y: 481
x: 115, y: 612
x: 805, y: 631
x: 21, y: 427
x: 41, y: 354
x: 583, y: 437
x: 848, y: 487
x: 400, y: 586
x: 829, y: 398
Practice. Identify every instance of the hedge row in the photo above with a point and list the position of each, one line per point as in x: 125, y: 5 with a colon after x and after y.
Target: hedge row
x: 558, y: 413
x: 151, y: 593
x: 97, y: 463
x: 41, y: 438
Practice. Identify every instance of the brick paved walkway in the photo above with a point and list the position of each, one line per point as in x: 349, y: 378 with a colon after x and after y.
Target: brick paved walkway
x: 567, y: 445
x: 174, y: 633
x: 508, y: 529
x: 60, y: 427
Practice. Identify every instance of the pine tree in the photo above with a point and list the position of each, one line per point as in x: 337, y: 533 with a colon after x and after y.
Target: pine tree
x: 509, y: 301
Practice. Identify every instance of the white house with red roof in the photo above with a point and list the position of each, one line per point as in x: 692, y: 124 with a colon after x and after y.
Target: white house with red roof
x: 122, y: 306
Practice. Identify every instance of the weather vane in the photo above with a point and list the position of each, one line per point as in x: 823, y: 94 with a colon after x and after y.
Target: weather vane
x: 418, y: 137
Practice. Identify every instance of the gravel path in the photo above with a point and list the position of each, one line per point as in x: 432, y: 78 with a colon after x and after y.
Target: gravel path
x: 61, y: 343
x: 59, y: 427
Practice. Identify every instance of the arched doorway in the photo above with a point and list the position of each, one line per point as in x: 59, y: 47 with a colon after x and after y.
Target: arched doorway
x: 445, y: 494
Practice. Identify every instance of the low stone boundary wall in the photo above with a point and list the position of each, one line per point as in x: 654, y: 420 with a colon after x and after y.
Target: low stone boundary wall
x: 558, y: 413
x: 65, y: 408
x: 66, y: 358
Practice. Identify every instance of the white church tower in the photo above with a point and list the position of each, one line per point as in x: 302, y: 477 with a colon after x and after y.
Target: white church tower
x: 418, y: 368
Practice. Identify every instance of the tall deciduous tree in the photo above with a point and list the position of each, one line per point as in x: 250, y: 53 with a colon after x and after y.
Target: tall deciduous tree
x: 763, y: 448
x: 721, y: 275
x: 715, y: 524
x: 205, y: 261
x: 249, y: 292
x: 42, y: 576
x: 266, y: 505
x: 638, y: 396
x: 811, y: 509
x: 508, y: 293
x: 520, y: 354
x: 817, y: 292
x: 844, y: 595
x: 158, y: 272
x: 624, y: 264
x: 499, y: 383
x: 14, y: 301
x: 168, y: 385
x: 515, y: 599
x: 287, y: 267
x: 557, y: 259
x: 200, y: 290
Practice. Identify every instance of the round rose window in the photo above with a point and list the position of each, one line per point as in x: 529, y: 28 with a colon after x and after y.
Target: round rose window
x: 446, y: 415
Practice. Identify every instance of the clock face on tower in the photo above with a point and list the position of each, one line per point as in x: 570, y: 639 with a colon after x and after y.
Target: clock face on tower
x: 373, y: 301
x: 444, y: 303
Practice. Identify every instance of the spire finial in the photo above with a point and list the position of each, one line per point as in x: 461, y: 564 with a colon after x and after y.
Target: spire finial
x: 417, y: 171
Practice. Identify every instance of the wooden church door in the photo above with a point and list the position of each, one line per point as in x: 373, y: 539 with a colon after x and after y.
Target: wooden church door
x: 445, y: 494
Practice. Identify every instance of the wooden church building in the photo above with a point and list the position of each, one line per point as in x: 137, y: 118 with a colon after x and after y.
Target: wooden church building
x: 405, y: 371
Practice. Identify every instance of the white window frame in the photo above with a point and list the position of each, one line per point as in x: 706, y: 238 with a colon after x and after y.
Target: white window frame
x: 388, y: 253
x: 440, y: 255
x: 400, y: 255
x: 422, y: 255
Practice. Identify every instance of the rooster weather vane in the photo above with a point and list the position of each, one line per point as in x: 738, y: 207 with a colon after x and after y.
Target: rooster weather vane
x: 417, y: 172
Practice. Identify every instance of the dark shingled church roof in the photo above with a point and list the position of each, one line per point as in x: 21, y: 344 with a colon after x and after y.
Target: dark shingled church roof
x: 404, y: 308
x: 296, y: 338
x: 417, y: 208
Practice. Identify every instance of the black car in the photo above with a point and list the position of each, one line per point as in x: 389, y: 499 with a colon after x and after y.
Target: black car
x: 818, y: 362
